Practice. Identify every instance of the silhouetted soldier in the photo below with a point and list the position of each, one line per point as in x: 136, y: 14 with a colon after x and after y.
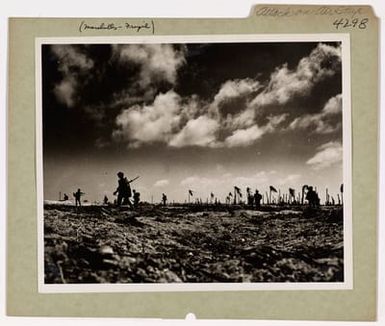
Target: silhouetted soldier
x: 250, y: 197
x: 164, y: 199
x: 66, y: 197
x: 136, y: 198
x: 257, y: 199
x: 312, y: 197
x: 105, y: 200
x: 123, y: 190
x: 78, y: 196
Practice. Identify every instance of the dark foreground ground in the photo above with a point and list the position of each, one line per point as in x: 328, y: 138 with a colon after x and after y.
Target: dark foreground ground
x: 188, y: 244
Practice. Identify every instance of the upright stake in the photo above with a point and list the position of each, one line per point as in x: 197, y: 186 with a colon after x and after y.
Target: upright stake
x: 270, y: 196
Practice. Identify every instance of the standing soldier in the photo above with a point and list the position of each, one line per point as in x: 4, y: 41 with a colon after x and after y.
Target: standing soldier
x: 250, y: 197
x: 164, y: 199
x: 123, y: 190
x: 257, y: 199
x: 78, y: 194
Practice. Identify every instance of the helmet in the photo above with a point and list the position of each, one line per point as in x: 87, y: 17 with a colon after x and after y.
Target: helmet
x: 120, y: 174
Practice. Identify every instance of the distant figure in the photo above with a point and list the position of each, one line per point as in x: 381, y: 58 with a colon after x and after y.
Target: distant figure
x: 136, y: 198
x: 312, y: 197
x: 164, y: 199
x: 250, y: 197
x: 123, y: 190
x: 66, y: 197
x: 78, y: 196
x: 257, y: 199
x: 105, y: 200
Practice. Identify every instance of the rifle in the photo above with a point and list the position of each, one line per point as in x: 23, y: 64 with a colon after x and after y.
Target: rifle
x: 116, y: 191
x: 134, y: 179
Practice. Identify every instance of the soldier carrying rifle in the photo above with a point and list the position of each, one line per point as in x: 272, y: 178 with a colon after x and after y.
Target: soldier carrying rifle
x: 124, y: 190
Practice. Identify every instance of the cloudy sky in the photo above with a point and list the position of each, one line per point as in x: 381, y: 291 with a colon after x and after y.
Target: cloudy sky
x: 205, y: 117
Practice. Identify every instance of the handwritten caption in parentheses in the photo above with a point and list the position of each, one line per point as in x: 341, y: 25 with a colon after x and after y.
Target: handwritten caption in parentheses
x: 342, y: 17
x: 144, y: 26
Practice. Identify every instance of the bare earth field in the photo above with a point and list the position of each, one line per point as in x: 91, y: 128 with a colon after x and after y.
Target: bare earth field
x: 99, y: 244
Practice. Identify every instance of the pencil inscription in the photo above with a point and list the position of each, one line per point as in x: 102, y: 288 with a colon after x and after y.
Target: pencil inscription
x: 108, y: 26
x: 273, y: 11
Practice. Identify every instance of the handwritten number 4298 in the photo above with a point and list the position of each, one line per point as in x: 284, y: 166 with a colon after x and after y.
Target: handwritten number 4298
x: 354, y: 23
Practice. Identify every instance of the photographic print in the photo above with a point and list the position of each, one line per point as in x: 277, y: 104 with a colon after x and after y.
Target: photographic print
x: 194, y: 163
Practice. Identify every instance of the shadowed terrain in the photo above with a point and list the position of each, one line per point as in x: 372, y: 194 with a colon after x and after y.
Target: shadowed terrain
x: 105, y: 244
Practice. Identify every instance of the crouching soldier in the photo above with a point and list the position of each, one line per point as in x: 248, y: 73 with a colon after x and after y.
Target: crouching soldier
x: 136, y: 198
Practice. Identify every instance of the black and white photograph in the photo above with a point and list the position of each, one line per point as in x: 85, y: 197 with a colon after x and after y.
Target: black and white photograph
x: 192, y: 160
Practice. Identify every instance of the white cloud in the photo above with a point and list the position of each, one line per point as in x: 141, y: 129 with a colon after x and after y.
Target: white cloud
x: 333, y: 105
x: 161, y: 183
x: 244, y: 137
x: 65, y: 91
x: 328, y: 155
x: 69, y: 58
x: 157, y: 61
x: 328, y: 120
x: 149, y: 124
x: 71, y: 63
x: 230, y: 119
x: 167, y: 120
x: 235, y: 88
x: 197, y: 132
x: 284, y: 83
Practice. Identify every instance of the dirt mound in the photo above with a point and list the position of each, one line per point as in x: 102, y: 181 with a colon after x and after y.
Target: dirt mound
x: 104, y: 244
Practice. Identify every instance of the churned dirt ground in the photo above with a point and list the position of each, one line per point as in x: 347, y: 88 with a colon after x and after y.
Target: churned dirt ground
x: 97, y: 244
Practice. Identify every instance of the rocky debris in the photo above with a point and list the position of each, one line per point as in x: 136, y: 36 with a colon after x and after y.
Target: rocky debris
x: 101, y: 244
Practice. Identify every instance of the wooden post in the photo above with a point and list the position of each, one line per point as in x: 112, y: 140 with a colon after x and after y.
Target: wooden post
x: 269, y: 196
x: 342, y: 198
x: 235, y: 196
